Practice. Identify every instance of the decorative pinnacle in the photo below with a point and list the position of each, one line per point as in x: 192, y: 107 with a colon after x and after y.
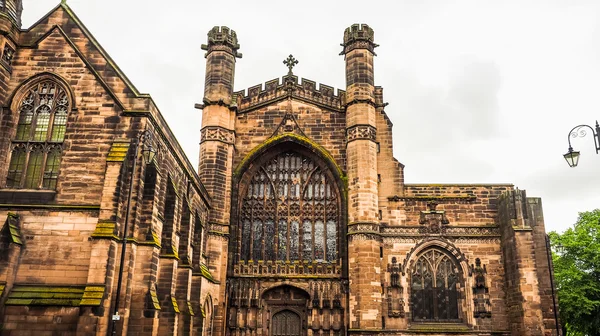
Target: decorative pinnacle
x: 222, y: 38
x: 359, y: 36
x: 290, y: 62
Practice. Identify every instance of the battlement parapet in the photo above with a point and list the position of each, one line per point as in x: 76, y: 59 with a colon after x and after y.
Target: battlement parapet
x: 277, y: 89
x: 222, y: 38
x: 359, y: 36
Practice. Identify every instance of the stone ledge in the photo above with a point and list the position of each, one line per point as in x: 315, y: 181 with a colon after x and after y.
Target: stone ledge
x: 44, y: 295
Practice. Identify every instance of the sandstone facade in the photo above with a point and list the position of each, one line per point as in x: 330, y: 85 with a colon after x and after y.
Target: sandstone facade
x: 298, y: 220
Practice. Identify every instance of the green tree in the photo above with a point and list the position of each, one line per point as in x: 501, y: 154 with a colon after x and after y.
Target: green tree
x: 576, y: 258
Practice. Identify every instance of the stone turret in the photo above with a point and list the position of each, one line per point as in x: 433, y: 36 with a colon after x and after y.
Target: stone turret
x: 217, y: 147
x: 10, y: 24
x: 10, y: 10
x: 222, y: 50
x: 361, y: 152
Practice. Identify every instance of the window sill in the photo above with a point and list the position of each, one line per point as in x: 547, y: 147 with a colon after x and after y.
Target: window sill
x: 26, y: 196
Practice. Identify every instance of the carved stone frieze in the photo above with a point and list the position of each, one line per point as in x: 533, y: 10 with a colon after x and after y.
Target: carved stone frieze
x: 363, y: 227
x: 359, y: 132
x: 286, y: 269
x: 216, y: 133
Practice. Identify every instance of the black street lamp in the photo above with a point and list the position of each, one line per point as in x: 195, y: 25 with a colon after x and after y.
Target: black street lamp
x: 148, y: 154
x: 572, y: 156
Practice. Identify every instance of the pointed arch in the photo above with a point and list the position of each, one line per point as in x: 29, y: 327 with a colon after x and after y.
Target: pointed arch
x: 290, y: 138
x: 207, y: 316
x: 43, y: 103
x: 435, y: 286
x: 288, y: 172
x: 23, y: 88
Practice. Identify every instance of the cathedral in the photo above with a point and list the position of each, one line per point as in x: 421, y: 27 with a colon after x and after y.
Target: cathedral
x: 297, y: 221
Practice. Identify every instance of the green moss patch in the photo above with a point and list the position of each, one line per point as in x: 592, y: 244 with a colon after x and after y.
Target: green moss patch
x: 11, y: 229
x: 118, y: 151
x: 73, y: 296
x: 206, y: 274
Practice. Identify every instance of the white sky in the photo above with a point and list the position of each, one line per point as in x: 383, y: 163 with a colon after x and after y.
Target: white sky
x: 479, y: 91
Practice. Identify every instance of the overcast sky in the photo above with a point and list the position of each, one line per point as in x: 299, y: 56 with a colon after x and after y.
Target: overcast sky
x: 479, y: 91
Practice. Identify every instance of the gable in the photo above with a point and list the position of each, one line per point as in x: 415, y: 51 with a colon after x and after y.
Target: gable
x: 96, y: 59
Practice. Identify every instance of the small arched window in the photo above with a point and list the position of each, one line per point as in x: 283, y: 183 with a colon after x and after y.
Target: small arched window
x: 37, y: 145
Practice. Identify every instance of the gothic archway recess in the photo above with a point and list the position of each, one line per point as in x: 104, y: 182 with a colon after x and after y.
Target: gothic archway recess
x: 288, y: 208
x: 435, y: 282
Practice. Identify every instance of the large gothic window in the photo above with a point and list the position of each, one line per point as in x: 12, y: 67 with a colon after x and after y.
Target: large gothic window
x: 434, y: 290
x: 289, y: 211
x: 37, y: 145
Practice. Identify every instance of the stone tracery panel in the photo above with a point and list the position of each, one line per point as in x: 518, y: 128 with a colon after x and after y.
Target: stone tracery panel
x: 290, y: 211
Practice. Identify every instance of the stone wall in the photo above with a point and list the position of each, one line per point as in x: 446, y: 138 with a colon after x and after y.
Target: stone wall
x: 63, y: 246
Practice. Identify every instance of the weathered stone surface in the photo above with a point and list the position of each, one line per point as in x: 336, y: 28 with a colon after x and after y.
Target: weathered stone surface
x: 182, y: 271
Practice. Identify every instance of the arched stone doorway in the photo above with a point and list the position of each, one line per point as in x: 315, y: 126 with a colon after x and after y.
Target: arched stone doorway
x: 286, y: 323
x: 286, y: 311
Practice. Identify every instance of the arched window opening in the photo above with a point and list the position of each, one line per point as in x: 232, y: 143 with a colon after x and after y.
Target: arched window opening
x: 37, y: 145
x: 167, y: 242
x: 197, y: 242
x: 289, y: 210
x: 434, y: 288
x: 184, y: 231
x: 207, y: 321
x: 148, y: 199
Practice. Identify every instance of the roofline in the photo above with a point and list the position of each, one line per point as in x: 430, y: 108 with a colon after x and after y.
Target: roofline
x: 91, y: 37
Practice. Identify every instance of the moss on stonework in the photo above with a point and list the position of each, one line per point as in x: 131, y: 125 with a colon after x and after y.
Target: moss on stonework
x: 92, y: 296
x: 22, y: 295
x: 303, y: 140
x: 2, y: 288
x: 12, y: 230
x: 154, y: 299
x: 105, y: 229
x: 118, y: 151
x: 175, y: 305
x: 190, y: 309
x: 206, y: 273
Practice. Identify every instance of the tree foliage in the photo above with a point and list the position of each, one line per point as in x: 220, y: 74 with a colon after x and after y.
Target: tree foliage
x: 576, y: 258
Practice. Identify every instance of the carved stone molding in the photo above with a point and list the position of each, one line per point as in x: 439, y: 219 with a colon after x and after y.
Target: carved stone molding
x: 363, y: 228
x: 361, y: 132
x: 450, y: 231
x: 217, y: 133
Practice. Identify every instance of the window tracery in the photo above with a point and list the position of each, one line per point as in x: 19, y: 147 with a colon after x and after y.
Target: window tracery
x: 37, y: 145
x: 290, y: 211
x: 434, y: 288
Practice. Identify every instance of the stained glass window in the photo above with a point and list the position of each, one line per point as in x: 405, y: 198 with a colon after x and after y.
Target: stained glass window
x: 434, y: 290
x: 16, y: 167
x: 51, y: 170
x: 289, y: 211
x: 34, y: 168
x: 41, y: 127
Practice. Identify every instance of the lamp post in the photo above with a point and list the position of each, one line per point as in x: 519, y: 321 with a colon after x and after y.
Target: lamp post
x: 572, y: 156
x: 148, y: 154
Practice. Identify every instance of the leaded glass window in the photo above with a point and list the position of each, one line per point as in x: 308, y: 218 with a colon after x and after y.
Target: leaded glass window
x: 37, y: 145
x: 289, y: 211
x: 434, y: 290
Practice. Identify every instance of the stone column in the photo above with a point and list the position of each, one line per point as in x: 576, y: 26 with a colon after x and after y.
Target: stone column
x: 361, y: 152
x: 216, y: 152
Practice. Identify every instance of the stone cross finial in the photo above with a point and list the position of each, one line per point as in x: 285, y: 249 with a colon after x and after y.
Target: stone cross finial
x: 290, y: 62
